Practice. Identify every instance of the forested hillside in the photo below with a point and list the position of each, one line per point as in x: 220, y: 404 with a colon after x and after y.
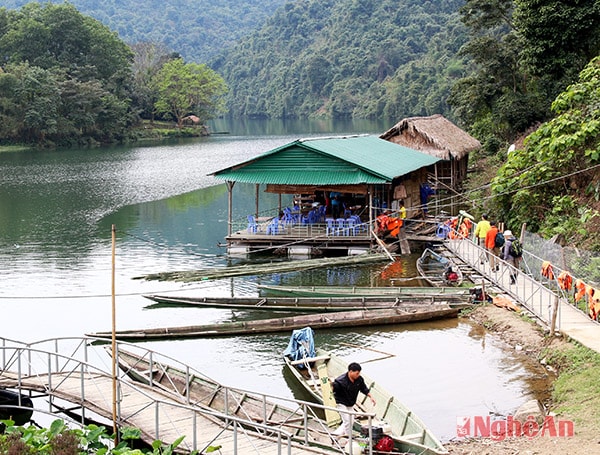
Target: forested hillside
x: 196, y: 29
x: 348, y: 58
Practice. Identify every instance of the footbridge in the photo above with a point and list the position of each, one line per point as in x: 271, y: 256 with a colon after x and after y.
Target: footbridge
x: 545, y: 300
x: 75, y: 376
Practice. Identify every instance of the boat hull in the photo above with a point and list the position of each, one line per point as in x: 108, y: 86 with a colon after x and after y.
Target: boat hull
x: 357, y: 318
x: 195, y: 389
x: 364, y: 291
x: 15, y: 407
x: 409, y: 433
x: 434, y: 268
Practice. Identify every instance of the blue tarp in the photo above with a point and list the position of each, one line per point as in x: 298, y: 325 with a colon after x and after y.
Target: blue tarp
x: 301, y: 345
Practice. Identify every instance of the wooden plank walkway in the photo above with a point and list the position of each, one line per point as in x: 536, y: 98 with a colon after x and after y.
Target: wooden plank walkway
x: 154, y: 413
x: 529, y: 293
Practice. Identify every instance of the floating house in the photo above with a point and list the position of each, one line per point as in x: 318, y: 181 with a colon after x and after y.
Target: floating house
x: 361, y: 175
x: 439, y: 137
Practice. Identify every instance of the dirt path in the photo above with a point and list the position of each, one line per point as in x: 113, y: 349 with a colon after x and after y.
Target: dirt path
x: 528, y: 336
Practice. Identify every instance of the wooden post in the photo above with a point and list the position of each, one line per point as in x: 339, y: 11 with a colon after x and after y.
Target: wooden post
x: 114, y: 340
x: 370, y: 190
x: 230, y: 185
x: 256, y: 200
x: 553, y: 319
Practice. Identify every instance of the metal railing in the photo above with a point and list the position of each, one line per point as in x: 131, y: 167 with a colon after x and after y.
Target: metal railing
x: 529, y: 292
x: 48, y: 365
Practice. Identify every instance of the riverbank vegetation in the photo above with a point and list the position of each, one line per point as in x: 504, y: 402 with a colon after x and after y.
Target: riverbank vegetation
x: 91, y: 439
x: 66, y: 79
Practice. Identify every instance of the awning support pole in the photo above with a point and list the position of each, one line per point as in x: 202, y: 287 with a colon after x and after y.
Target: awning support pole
x: 230, y: 185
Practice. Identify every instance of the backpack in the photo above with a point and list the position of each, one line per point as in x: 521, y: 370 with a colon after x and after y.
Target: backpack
x: 385, y: 444
x: 515, y: 249
x: 499, y: 240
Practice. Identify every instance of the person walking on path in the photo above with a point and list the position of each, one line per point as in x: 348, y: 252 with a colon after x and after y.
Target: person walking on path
x: 508, y: 257
x: 345, y: 391
x: 480, y: 232
x: 490, y: 245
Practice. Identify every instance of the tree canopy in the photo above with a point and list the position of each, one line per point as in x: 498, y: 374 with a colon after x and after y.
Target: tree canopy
x: 348, y: 58
x: 196, y: 29
x: 524, y: 53
x: 553, y: 183
x: 66, y: 79
x: 185, y: 89
x: 69, y: 84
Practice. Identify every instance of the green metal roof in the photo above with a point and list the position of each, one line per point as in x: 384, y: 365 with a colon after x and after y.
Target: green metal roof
x: 329, y: 161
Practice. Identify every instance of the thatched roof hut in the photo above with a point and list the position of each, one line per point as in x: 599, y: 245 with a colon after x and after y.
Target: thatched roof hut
x: 439, y: 137
x: 191, y: 120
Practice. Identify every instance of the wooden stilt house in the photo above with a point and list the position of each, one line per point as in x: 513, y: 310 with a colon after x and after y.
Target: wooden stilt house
x: 359, y: 172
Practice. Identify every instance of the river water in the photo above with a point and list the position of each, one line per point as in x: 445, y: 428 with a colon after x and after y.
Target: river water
x: 56, y: 212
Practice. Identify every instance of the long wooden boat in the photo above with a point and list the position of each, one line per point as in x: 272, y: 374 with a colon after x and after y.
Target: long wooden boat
x: 409, y: 433
x: 439, y: 270
x: 319, y: 320
x: 191, y: 387
x: 312, y: 304
x: 364, y: 291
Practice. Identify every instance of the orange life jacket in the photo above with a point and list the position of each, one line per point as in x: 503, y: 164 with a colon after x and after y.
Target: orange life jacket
x: 453, y: 234
x: 394, y: 225
x: 547, y: 270
x: 579, y: 289
x: 565, y: 281
x: 465, y: 228
x: 594, y: 304
x: 382, y: 222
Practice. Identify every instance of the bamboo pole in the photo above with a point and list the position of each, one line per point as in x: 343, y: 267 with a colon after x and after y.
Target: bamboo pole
x: 114, y: 340
x: 230, y: 207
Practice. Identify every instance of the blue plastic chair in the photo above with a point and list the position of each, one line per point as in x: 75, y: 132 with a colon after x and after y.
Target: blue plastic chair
x: 330, y: 229
x: 350, y: 228
x: 274, y: 227
x: 359, y: 225
x: 341, y: 226
x: 252, y: 225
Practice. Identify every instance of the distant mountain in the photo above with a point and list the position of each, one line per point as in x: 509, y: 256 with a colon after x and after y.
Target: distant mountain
x: 348, y: 58
x: 300, y: 58
x: 197, y: 29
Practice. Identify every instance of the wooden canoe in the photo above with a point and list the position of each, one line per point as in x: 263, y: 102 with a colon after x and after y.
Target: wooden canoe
x: 15, y: 406
x: 435, y: 269
x: 402, y: 292
x: 191, y: 387
x: 408, y: 431
x: 312, y: 304
x: 320, y: 320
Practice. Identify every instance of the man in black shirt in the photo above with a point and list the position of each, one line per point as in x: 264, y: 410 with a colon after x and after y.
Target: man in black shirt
x: 345, y: 391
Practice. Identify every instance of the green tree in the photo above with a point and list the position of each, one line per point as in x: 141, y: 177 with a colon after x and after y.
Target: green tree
x: 559, y: 38
x: 551, y: 184
x: 189, y: 88
x: 147, y: 61
x: 524, y: 52
x: 66, y: 79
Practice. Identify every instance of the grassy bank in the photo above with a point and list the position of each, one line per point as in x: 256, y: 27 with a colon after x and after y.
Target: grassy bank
x: 576, y: 391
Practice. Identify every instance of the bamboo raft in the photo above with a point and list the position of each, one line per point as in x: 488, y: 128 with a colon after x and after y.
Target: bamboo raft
x: 322, y: 320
